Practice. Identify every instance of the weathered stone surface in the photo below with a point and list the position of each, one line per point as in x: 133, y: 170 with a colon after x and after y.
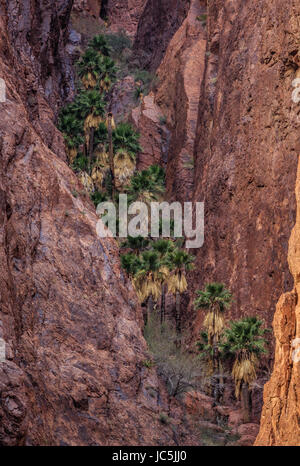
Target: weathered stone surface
x: 157, y: 25
x: 281, y: 410
x: 180, y: 76
x: 124, y: 14
x: 70, y: 316
x: 245, y: 155
x: 91, y: 7
x: 200, y: 405
x: 149, y: 121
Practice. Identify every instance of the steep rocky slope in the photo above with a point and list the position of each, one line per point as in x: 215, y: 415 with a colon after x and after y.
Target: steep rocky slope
x: 167, y: 118
x: 73, y: 371
x: 119, y: 15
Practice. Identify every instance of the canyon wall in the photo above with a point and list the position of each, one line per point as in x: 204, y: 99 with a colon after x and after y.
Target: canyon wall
x: 246, y: 152
x: 158, y: 23
x: 280, y: 420
x: 222, y: 121
x: 246, y: 145
x: 246, y: 156
x: 123, y: 14
x: 73, y: 371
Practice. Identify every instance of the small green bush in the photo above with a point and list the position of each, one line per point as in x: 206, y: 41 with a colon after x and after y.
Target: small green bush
x: 118, y: 43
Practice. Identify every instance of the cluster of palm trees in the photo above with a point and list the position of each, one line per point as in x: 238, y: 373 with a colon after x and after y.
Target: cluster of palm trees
x: 240, y: 345
x: 102, y: 152
x: 104, y: 155
x: 157, y: 268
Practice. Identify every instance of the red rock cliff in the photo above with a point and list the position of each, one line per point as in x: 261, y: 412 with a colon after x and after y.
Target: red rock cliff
x: 72, y: 372
x: 246, y: 162
x: 246, y: 152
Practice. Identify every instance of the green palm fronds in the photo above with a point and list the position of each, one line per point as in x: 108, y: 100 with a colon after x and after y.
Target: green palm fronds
x: 244, y: 341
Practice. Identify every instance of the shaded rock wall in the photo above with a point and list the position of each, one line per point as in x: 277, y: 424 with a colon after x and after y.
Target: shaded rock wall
x: 246, y: 152
x: 124, y: 14
x: 74, y: 372
x: 157, y: 25
x: 180, y: 76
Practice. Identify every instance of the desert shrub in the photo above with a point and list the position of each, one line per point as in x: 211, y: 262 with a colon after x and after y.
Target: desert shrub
x: 118, y: 43
x: 179, y: 369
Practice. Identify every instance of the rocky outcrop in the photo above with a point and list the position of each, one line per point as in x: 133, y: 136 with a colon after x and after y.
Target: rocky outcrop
x: 246, y: 153
x: 281, y: 412
x: 167, y: 117
x: 74, y: 370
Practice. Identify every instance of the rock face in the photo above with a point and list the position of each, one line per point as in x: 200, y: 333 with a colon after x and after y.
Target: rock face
x: 246, y: 158
x: 180, y: 76
x: 281, y: 412
x: 74, y: 370
x: 246, y: 152
x: 123, y: 14
x: 149, y: 120
x: 157, y: 25
x: 91, y: 7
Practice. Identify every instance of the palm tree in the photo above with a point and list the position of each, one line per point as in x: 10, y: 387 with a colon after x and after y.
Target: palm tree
x: 124, y: 137
x: 157, y: 174
x: 244, y: 342
x: 110, y: 124
x: 124, y: 165
x: 94, y: 68
x: 148, y: 279
x: 107, y: 73
x: 100, y: 168
x: 215, y: 299
x: 72, y: 128
x: 88, y: 68
x: 163, y: 247
x: 206, y: 355
x: 126, y: 146
x: 179, y: 262
x: 100, y: 45
x: 145, y: 187
x: 131, y: 263
x: 91, y: 108
x: 136, y: 244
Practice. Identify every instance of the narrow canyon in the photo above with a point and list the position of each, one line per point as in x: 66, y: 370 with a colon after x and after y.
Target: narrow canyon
x: 210, y: 87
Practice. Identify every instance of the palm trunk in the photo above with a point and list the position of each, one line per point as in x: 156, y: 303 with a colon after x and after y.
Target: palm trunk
x: 91, y: 149
x: 178, y: 313
x: 111, y: 156
x: 216, y: 381
x: 163, y: 304
x: 245, y: 398
x: 149, y: 308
